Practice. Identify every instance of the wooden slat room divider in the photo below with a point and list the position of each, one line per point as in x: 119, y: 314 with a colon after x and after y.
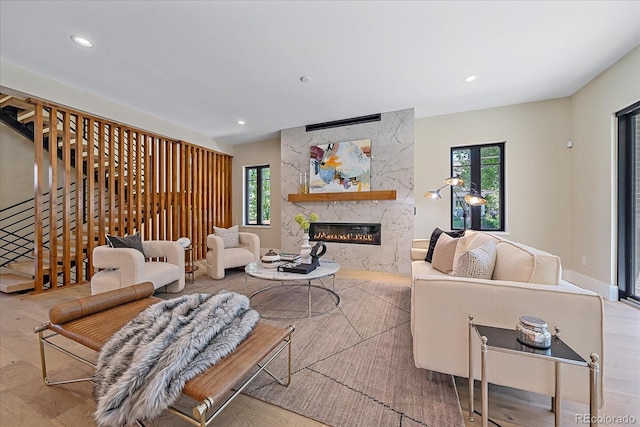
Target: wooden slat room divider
x: 114, y: 179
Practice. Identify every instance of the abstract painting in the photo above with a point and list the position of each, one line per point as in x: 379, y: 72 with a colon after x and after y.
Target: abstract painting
x: 340, y: 166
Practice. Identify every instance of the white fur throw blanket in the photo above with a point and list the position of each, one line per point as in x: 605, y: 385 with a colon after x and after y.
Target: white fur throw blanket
x: 143, y: 368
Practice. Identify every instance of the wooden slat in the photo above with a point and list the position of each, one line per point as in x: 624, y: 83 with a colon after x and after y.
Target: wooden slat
x: 201, y: 200
x: 38, y: 166
x: 183, y: 190
x: 140, y: 214
x: 53, y: 201
x: 175, y: 155
x: 80, y: 129
x: 154, y: 181
x: 102, y: 181
x: 112, y: 170
x: 66, y: 198
x: 170, y: 233
x: 122, y: 158
x: 91, y: 178
x: 129, y: 190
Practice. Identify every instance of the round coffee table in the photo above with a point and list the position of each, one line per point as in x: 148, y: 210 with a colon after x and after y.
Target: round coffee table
x: 324, y: 270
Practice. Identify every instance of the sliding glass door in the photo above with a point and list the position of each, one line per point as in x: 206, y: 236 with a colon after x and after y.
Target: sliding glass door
x: 629, y: 202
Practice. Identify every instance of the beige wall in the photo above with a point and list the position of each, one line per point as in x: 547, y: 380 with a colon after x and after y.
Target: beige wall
x: 258, y: 153
x: 594, y: 172
x: 16, y: 164
x: 16, y: 168
x: 537, y: 175
x: 19, y: 81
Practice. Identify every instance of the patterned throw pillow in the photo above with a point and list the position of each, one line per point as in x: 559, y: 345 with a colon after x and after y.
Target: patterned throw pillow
x: 443, y: 253
x: 229, y: 236
x: 434, y: 239
x: 477, y: 263
x: 133, y: 241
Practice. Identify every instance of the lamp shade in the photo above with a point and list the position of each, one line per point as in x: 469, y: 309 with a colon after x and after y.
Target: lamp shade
x: 455, y: 181
x: 435, y: 194
x: 475, y: 200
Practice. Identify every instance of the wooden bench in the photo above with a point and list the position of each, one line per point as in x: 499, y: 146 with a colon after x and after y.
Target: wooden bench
x: 91, y: 321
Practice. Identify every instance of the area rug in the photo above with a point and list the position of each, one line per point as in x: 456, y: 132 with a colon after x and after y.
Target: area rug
x: 353, y: 366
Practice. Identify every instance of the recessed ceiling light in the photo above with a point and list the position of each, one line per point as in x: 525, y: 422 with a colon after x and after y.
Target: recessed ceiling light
x: 470, y: 79
x: 241, y: 122
x: 305, y: 79
x: 84, y: 42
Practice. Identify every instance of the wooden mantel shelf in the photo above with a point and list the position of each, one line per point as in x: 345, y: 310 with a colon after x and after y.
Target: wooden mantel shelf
x: 342, y: 197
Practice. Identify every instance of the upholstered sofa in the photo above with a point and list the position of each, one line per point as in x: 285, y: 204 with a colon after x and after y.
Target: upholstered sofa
x: 525, y: 281
x: 220, y: 257
x: 161, y: 264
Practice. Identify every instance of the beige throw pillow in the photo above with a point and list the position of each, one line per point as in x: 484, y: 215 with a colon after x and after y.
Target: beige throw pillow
x: 229, y: 236
x: 443, y: 253
x: 477, y: 263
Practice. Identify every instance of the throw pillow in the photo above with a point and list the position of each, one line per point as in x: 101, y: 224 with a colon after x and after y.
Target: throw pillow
x: 477, y: 263
x: 229, y: 236
x: 434, y: 239
x: 133, y: 241
x: 443, y: 253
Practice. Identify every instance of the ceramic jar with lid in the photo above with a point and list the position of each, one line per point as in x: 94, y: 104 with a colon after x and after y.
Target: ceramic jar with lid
x: 533, y: 332
x: 270, y: 259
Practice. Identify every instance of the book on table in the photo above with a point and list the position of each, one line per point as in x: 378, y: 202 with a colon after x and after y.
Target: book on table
x: 288, y: 256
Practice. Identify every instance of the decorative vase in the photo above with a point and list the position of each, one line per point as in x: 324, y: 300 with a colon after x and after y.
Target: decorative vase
x: 305, y: 249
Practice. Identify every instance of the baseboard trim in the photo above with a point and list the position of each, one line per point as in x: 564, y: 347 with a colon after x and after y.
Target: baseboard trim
x: 606, y: 290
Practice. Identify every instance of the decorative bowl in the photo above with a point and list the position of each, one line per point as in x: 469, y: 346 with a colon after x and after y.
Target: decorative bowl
x: 533, y: 332
x: 270, y: 259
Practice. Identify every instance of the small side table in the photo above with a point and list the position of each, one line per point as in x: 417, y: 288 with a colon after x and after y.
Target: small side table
x: 505, y: 340
x: 189, y: 266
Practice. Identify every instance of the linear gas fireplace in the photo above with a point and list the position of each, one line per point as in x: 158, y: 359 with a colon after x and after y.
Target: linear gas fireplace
x: 341, y: 232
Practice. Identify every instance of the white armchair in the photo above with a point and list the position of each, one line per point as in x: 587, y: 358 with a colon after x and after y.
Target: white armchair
x: 124, y: 267
x: 219, y: 257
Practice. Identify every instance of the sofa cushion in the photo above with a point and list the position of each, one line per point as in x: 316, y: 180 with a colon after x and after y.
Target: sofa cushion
x: 477, y: 263
x: 238, y: 257
x: 434, y: 239
x: 230, y: 236
x: 161, y: 273
x: 521, y: 263
x: 133, y: 241
x: 443, y: 253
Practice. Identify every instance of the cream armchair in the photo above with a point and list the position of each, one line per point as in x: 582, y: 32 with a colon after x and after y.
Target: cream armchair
x: 219, y: 257
x: 124, y: 267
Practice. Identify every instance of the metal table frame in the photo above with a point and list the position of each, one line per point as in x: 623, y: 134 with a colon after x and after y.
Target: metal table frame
x: 575, y: 359
x: 282, y: 277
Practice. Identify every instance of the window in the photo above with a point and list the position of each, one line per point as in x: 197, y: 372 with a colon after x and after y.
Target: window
x: 482, y: 168
x: 629, y: 202
x: 257, y: 195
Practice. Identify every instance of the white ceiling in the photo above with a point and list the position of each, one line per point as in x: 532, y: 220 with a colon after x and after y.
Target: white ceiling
x: 204, y: 65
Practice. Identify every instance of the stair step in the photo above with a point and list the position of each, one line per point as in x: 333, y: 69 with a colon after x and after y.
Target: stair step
x: 29, y: 115
x: 27, y: 267
x: 8, y: 100
x: 14, y: 283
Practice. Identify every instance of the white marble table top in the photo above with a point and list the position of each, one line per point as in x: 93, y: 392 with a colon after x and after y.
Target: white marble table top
x: 326, y: 268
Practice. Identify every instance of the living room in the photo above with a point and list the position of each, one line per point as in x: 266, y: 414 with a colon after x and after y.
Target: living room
x: 560, y: 151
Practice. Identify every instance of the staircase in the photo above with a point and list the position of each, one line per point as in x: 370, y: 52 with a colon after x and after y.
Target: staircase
x: 17, y: 258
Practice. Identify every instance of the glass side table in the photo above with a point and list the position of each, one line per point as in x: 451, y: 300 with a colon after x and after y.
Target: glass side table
x: 505, y: 340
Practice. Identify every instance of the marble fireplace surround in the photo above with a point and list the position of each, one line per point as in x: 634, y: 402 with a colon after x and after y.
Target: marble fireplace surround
x: 392, y: 168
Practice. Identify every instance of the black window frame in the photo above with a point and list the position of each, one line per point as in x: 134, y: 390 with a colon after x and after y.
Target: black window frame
x: 626, y: 221
x: 259, y: 194
x: 475, y: 212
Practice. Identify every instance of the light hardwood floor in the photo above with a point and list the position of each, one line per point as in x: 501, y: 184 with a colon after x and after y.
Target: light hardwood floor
x: 26, y: 401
